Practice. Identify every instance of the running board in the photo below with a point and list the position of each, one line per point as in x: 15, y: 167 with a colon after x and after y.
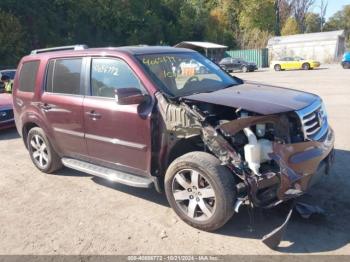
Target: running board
x: 107, y: 173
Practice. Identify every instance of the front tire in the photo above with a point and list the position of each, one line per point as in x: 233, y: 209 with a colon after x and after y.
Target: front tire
x: 244, y: 69
x: 306, y: 66
x: 200, y: 190
x: 41, y: 152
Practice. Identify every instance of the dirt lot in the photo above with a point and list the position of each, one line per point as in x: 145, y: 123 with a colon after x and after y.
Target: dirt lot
x: 73, y: 213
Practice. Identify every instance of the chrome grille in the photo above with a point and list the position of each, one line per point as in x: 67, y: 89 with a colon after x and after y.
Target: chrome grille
x: 314, y: 121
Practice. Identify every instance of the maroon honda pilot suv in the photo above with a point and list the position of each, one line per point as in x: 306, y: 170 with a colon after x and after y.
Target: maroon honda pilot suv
x: 211, y: 141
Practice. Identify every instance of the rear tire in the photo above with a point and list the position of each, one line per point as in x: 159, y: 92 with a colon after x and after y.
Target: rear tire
x: 306, y: 66
x: 200, y: 190
x: 244, y: 69
x: 277, y: 67
x: 346, y: 65
x: 41, y: 151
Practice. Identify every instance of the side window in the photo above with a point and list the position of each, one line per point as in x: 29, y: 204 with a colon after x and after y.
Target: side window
x: 110, y: 74
x: 27, y: 76
x: 63, y: 76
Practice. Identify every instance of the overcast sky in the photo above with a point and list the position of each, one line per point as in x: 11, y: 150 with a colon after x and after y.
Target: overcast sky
x: 333, y: 6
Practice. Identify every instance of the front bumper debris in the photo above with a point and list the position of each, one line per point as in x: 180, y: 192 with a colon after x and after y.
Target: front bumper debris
x: 273, y: 239
x: 303, y: 163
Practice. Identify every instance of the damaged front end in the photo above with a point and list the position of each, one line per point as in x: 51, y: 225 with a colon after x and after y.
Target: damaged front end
x: 275, y: 158
x: 268, y: 153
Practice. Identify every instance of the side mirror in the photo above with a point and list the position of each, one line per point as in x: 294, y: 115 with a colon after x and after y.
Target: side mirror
x: 129, y: 96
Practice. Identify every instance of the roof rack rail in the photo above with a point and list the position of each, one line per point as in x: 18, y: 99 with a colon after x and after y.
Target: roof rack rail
x: 59, y: 48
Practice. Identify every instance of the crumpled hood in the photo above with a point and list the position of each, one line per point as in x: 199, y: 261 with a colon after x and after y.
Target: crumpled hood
x: 258, y: 98
x: 5, y: 101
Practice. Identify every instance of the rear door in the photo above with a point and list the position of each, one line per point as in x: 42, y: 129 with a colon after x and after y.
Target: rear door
x: 62, y: 105
x: 117, y: 136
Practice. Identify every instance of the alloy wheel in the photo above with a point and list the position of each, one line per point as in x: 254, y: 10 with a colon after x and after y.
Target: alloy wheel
x: 39, y: 151
x: 194, y: 194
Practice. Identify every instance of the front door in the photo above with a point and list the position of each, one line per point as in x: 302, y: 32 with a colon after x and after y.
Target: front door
x: 118, y: 136
x: 289, y: 63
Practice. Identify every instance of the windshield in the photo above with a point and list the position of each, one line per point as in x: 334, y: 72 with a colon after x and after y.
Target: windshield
x: 182, y: 74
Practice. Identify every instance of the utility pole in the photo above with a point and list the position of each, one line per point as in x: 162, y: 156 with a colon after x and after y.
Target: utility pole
x: 277, y: 20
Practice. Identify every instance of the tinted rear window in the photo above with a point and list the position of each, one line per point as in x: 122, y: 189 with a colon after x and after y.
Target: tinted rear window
x: 27, y: 76
x: 63, y: 76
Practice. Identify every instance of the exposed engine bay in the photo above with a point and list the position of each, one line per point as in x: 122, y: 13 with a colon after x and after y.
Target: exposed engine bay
x: 268, y: 154
x: 256, y: 148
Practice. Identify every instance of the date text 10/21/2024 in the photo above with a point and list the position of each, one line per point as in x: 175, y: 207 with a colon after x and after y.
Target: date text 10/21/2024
x: 172, y: 258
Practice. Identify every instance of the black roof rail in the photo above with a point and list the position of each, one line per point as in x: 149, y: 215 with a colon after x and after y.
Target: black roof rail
x: 59, y: 48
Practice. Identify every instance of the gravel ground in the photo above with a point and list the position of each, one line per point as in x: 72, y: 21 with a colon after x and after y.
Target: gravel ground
x: 72, y: 213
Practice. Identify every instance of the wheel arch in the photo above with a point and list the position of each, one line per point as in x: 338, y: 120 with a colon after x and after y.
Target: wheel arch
x: 30, y: 121
x: 277, y: 64
x: 183, y: 146
x: 25, y: 130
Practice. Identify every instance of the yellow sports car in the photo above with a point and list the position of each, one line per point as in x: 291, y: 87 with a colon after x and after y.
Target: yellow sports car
x: 294, y: 63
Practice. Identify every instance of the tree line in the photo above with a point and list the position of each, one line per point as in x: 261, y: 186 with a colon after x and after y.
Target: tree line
x: 31, y: 24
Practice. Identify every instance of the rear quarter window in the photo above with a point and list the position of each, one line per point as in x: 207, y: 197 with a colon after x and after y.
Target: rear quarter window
x: 27, y: 76
x: 63, y: 76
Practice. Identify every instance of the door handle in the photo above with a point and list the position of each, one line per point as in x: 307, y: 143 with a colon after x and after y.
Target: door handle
x: 19, y: 102
x: 92, y: 114
x: 45, y: 106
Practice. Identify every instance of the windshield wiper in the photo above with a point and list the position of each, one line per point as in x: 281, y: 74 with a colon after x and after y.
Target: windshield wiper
x: 199, y: 92
x: 230, y: 85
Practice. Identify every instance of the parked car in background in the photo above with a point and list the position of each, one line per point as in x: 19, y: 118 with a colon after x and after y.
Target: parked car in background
x: 346, y: 60
x: 233, y: 64
x: 197, y: 67
x: 6, y: 111
x: 297, y: 62
x: 10, y: 73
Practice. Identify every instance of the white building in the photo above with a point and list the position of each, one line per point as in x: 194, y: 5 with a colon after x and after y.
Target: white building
x: 325, y: 47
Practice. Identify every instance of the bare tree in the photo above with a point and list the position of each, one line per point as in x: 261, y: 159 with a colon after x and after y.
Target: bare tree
x: 323, y: 9
x: 285, y: 10
x: 300, y: 9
